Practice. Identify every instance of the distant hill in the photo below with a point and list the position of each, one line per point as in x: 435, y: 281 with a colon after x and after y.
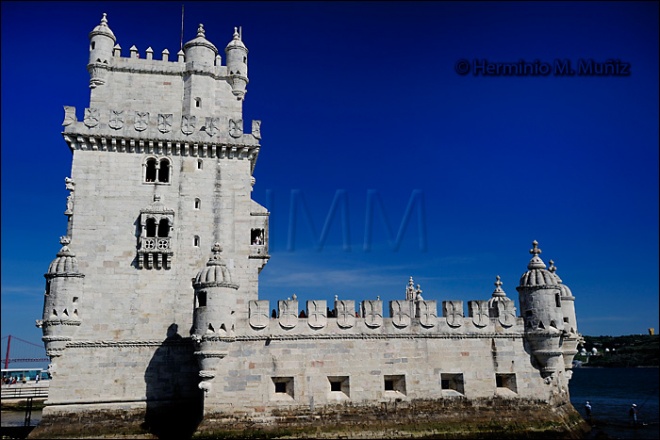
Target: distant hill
x: 621, y: 351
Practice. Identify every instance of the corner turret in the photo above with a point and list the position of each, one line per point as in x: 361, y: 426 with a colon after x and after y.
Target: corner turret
x: 64, y: 288
x: 214, y: 315
x: 540, y: 306
x: 101, y: 44
x: 200, y: 52
x: 237, y: 69
x: 570, y: 336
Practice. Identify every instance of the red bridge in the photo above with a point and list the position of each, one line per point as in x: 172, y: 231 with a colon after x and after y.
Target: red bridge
x: 17, y: 350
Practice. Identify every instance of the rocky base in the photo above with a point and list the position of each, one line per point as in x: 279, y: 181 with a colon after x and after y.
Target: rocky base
x: 444, y: 419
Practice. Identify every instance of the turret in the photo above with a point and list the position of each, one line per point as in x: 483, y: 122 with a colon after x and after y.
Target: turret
x: 214, y: 315
x: 571, y: 337
x: 101, y: 43
x: 64, y: 289
x: 237, y: 69
x: 540, y: 305
x: 200, y: 52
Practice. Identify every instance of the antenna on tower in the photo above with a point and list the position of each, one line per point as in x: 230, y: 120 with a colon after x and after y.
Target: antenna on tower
x: 181, y: 43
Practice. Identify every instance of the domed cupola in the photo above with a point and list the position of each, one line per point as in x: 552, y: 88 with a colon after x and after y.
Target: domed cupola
x: 64, y: 290
x: 101, y: 42
x: 537, y: 275
x: 103, y: 29
x: 199, y: 50
x: 215, y: 273
x: 501, y: 307
x: 65, y: 262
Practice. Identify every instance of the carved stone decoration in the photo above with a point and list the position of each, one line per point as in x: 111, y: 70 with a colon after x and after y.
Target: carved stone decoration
x: 69, y: 183
x: 372, y: 310
x: 188, y: 124
x: 91, y: 117
x: 507, y: 313
x: 259, y: 316
x: 345, y: 313
x: 288, y: 313
x: 479, y: 313
x: 256, y: 129
x: 236, y: 128
x: 69, y: 205
x: 401, y: 311
x: 317, y: 315
x: 427, y: 312
x: 165, y: 122
x: 453, y: 311
x: 141, y: 121
x: 116, y: 119
x: 212, y: 126
x: 69, y: 115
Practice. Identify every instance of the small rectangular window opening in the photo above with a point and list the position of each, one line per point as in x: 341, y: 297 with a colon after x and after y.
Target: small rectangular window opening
x: 452, y: 381
x: 339, y: 384
x: 396, y: 383
x: 283, y: 387
x: 201, y: 299
x: 506, y: 380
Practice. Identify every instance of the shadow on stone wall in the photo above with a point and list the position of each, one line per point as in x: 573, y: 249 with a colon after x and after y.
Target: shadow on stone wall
x: 174, y: 402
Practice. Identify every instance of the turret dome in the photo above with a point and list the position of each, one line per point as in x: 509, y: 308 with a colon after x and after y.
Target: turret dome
x: 537, y: 275
x: 65, y: 262
x: 236, y: 41
x: 216, y: 273
x: 563, y: 288
x: 103, y: 29
x: 200, y: 49
x: 498, y: 294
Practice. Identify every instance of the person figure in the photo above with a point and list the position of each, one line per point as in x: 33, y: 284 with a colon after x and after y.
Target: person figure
x: 632, y: 412
x: 36, y: 379
x: 587, y: 410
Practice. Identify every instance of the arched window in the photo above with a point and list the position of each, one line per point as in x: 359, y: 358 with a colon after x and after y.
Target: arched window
x: 150, y: 175
x: 198, y: 102
x: 163, y: 228
x: 198, y: 203
x: 164, y: 171
x: 200, y: 164
x: 196, y: 241
x: 157, y: 170
x: 151, y: 227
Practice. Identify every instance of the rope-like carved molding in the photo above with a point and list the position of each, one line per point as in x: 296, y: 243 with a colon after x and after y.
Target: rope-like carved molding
x: 363, y: 336
x: 159, y: 146
x: 184, y: 342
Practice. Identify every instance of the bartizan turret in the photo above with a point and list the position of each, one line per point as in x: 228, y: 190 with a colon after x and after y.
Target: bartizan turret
x: 570, y: 336
x: 237, y: 69
x: 101, y: 43
x: 214, y: 316
x: 64, y: 289
x: 540, y: 304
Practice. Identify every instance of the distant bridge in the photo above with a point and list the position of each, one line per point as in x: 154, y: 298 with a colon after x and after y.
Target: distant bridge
x: 19, y: 350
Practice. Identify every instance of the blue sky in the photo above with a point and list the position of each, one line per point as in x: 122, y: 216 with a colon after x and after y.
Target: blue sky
x: 362, y: 104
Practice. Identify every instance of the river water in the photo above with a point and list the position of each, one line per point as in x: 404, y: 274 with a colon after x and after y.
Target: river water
x: 611, y: 392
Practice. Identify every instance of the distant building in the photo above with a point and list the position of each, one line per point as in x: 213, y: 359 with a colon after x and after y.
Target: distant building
x: 152, y: 310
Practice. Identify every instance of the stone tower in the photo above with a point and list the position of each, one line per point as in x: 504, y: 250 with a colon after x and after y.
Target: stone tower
x: 162, y: 179
x: 152, y: 316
